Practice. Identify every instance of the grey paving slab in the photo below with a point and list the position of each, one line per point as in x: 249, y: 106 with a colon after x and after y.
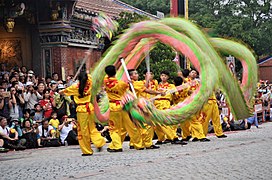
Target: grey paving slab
x: 243, y: 155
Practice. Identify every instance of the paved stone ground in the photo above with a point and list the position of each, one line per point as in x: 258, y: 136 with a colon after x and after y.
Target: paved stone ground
x: 243, y: 155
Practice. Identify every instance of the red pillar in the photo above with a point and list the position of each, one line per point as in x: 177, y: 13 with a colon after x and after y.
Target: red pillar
x: 174, y: 8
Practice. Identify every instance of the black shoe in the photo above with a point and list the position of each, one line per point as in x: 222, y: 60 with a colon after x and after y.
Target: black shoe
x: 183, y: 142
x: 204, y: 140
x: 153, y: 147
x: 158, y: 143
x: 86, y: 154
x: 11, y: 146
x: 222, y: 136
x: 187, y: 138
x: 167, y: 141
x: 179, y: 142
x: 176, y: 141
x: 3, y: 150
x: 20, y: 147
x: 100, y: 149
x: 131, y: 147
x: 114, y: 150
x: 195, y: 140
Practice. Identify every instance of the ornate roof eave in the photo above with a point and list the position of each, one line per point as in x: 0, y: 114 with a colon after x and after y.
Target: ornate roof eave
x: 136, y: 10
x: 111, y: 7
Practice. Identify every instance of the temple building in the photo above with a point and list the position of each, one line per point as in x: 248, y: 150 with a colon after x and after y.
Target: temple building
x: 265, y: 69
x: 52, y: 35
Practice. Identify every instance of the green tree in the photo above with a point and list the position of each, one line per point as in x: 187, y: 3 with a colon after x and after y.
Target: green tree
x: 245, y: 20
x: 160, y: 57
x: 249, y: 21
x: 151, y: 6
x: 126, y: 19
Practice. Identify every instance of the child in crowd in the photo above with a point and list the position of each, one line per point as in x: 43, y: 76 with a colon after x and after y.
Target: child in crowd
x: 46, y: 104
x: 38, y: 116
x: 26, y: 113
x: 54, y: 122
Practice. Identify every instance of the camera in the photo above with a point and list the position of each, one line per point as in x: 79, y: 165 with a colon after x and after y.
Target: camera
x: 20, y: 91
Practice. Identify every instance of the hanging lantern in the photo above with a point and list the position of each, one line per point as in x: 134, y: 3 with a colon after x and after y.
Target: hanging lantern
x: 54, y: 15
x: 9, y: 24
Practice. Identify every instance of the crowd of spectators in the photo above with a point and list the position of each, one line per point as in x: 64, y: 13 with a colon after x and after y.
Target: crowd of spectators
x: 32, y: 113
x: 262, y: 111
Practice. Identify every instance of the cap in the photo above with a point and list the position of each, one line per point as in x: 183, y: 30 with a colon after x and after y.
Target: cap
x: 29, y: 83
x: 15, y: 119
x: 53, y: 82
x: 21, y: 74
x: 60, y: 86
x: 30, y: 72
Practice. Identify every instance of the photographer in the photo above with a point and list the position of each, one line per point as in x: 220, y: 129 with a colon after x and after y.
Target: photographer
x: 22, y: 78
x: 31, y: 96
x: 31, y: 77
x: 68, y: 131
x: 13, y: 104
x: 62, y: 103
x: 20, y: 97
x: 4, y: 103
x: 41, y: 88
x: 5, y: 85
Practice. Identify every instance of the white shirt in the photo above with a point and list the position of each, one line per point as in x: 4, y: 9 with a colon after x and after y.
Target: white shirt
x: 5, y: 130
x: 46, y: 133
x: 64, y: 132
x: 31, y: 99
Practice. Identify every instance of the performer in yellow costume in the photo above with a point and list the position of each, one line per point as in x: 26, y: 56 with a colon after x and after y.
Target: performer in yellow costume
x: 193, y: 127
x: 181, y: 95
x: 164, y: 102
x: 143, y: 89
x: 211, y: 111
x: 87, y: 131
x: 118, y: 117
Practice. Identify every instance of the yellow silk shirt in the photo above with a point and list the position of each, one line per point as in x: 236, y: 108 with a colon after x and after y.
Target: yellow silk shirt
x: 115, y: 90
x: 180, y: 96
x: 153, y: 85
x: 83, y: 103
x: 193, y: 83
x: 139, y: 87
x: 164, y: 102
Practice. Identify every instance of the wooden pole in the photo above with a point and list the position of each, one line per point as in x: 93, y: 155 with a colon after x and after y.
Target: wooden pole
x: 128, y: 77
x: 186, y: 15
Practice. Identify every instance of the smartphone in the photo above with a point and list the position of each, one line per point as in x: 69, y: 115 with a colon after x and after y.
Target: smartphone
x: 70, y: 119
x: 6, y: 94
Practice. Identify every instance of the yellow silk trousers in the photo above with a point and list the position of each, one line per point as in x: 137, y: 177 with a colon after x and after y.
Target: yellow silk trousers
x: 120, y: 122
x: 192, y: 127
x: 164, y: 132
x: 211, y: 111
x: 87, y: 132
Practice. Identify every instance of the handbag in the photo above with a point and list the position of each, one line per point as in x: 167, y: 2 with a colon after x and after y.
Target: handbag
x: 31, y: 140
x: 51, y: 142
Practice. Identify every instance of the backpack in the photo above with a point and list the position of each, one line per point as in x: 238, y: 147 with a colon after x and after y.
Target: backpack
x: 31, y: 140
